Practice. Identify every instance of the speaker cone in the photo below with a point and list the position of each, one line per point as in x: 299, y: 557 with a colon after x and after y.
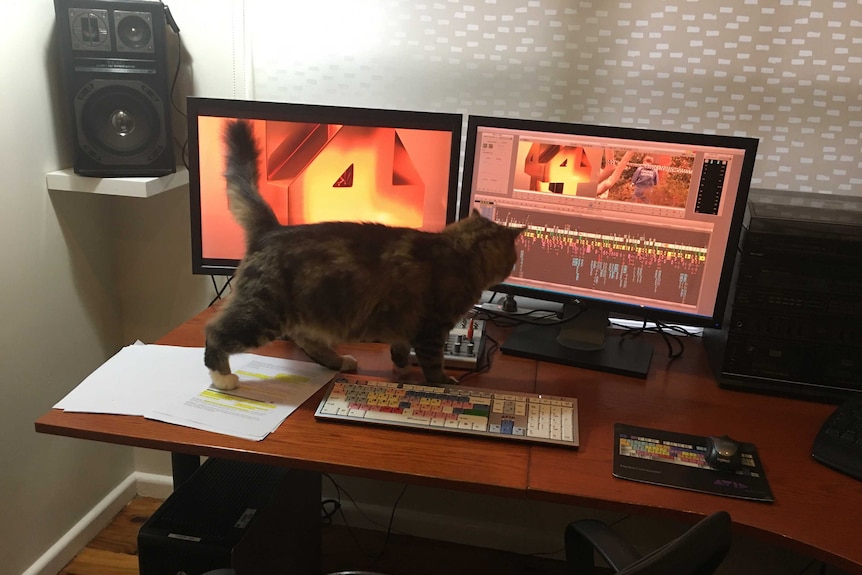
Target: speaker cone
x: 134, y: 31
x: 120, y: 120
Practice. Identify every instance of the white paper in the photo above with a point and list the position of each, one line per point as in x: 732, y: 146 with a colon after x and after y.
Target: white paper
x: 137, y: 378
x: 171, y: 384
x: 269, y: 390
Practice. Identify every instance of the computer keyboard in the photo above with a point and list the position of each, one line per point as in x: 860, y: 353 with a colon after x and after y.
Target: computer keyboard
x: 464, y: 346
x: 839, y: 442
x: 457, y: 409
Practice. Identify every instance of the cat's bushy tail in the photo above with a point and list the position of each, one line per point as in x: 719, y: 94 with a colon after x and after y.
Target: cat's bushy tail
x: 242, y: 176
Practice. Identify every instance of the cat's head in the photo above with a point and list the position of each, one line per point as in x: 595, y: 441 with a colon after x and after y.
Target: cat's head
x: 493, y: 244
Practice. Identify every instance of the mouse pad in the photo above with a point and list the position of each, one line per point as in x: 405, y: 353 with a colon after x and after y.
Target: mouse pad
x: 678, y: 460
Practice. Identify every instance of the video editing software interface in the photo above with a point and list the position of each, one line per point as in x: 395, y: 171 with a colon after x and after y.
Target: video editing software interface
x: 643, y: 220
x: 322, y: 163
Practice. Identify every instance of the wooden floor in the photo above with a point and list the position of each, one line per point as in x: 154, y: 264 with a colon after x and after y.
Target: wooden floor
x: 114, y: 552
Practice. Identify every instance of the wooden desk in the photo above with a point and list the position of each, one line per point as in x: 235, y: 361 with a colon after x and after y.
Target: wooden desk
x: 816, y: 513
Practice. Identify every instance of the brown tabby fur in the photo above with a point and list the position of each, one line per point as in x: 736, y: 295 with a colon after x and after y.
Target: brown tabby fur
x: 334, y: 282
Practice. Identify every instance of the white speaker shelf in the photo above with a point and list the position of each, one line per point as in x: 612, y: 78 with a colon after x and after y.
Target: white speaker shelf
x: 67, y: 180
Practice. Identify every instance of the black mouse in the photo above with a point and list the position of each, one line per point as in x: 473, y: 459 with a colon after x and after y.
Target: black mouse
x: 723, y: 453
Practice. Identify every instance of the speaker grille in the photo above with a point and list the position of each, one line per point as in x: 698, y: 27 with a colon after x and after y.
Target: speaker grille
x: 120, y: 121
x: 114, y: 58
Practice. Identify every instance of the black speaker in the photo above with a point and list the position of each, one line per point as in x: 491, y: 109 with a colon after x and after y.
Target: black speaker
x: 116, y: 81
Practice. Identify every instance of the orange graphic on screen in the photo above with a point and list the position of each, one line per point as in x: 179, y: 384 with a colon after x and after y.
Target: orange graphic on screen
x: 557, y: 169
x: 347, y: 173
x: 313, y: 172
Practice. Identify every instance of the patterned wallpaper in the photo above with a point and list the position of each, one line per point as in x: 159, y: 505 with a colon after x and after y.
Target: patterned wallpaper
x: 788, y: 72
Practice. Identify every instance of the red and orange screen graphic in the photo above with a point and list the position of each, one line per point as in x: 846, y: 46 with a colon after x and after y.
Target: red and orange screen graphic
x: 312, y: 172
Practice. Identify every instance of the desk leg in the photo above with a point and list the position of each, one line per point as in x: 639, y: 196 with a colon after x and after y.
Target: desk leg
x: 182, y: 467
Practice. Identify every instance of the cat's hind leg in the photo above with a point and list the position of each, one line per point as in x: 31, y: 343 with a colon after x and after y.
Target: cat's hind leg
x: 429, y: 352
x: 325, y: 355
x: 400, y: 353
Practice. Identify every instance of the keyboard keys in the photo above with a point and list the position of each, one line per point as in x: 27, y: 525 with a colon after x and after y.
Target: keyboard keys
x: 522, y: 416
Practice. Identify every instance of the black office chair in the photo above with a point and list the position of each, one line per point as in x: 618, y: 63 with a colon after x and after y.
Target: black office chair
x: 698, y: 551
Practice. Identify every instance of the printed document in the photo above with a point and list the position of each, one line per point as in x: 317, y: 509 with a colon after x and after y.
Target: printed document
x: 171, y: 384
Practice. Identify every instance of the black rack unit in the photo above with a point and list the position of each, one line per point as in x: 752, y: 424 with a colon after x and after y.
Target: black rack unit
x: 794, y: 325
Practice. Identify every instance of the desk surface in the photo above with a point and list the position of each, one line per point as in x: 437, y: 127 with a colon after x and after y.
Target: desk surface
x: 816, y: 512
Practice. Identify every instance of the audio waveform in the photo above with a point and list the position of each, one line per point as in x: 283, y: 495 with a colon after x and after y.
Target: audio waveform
x: 628, y: 258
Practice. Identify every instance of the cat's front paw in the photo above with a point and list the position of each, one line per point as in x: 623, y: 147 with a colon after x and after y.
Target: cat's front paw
x: 224, y: 382
x: 442, y: 379
x: 401, y: 372
x: 349, y: 363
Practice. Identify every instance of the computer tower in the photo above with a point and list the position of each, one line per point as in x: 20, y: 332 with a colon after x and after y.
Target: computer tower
x: 795, y: 311
x: 250, y: 518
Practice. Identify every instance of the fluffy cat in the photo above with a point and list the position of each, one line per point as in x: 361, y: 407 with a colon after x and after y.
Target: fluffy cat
x: 335, y: 282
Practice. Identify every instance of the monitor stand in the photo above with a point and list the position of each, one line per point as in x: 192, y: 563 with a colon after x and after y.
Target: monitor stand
x: 582, y: 342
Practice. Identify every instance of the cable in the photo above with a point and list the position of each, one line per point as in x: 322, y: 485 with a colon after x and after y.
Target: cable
x: 613, y: 524
x: 327, y: 514
x: 666, y: 332
x: 338, y: 508
x: 504, y: 319
x: 670, y: 334
x: 173, y: 24
x: 219, y: 291
x: 484, y: 363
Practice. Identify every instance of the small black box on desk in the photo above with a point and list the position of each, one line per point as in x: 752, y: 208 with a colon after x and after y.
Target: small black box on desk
x: 248, y: 517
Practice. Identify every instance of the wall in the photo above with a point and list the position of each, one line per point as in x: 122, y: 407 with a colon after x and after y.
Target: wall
x: 787, y: 72
x: 85, y: 276
x: 60, y: 306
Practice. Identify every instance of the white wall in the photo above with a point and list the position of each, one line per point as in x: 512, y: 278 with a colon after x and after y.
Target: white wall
x: 60, y: 307
x: 787, y: 72
x: 84, y: 276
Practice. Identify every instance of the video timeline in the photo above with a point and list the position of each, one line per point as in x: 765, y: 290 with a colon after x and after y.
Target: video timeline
x: 630, y: 259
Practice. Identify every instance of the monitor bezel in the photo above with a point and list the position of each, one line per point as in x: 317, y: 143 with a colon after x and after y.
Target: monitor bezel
x: 289, y: 111
x: 748, y: 144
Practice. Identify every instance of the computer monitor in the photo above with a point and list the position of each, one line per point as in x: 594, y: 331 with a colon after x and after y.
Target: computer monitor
x: 322, y: 163
x: 637, y: 222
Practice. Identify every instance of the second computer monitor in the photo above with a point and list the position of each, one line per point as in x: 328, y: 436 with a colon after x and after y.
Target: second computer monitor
x: 640, y: 222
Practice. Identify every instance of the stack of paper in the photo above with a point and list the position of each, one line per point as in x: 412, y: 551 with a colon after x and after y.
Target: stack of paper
x: 172, y: 384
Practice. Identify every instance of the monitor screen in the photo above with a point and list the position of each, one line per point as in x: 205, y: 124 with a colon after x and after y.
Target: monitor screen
x: 638, y: 222
x: 322, y: 163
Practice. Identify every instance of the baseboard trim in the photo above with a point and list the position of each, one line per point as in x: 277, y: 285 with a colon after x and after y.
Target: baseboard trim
x: 154, y: 485
x: 65, y: 548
